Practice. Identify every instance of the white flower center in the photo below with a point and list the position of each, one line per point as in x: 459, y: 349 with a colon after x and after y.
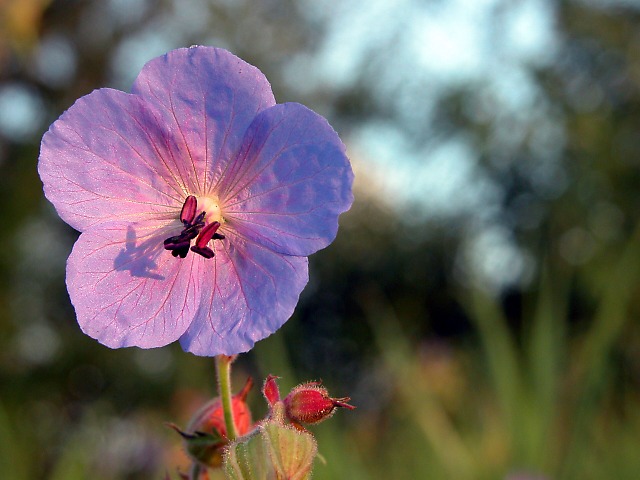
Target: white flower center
x: 211, y: 205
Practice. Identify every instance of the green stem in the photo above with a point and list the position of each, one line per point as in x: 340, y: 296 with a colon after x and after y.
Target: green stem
x: 194, y: 473
x: 223, y: 370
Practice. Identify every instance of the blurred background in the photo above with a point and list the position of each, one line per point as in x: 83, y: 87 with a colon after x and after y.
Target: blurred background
x: 480, y: 304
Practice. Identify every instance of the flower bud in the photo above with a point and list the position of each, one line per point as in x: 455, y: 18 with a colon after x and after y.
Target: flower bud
x: 273, y: 450
x: 310, y: 403
x: 206, y: 434
x: 270, y: 390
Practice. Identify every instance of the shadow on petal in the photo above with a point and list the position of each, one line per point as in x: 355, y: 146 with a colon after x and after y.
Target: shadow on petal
x: 139, y: 259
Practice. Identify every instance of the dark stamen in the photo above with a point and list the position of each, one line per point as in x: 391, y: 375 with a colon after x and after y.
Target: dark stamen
x: 206, y: 235
x: 176, y: 245
x: 188, y: 212
x: 180, y: 252
x: 194, y: 226
x: 199, y: 220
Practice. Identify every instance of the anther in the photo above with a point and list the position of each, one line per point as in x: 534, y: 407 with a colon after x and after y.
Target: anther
x: 178, y: 249
x: 206, y: 235
x: 188, y: 212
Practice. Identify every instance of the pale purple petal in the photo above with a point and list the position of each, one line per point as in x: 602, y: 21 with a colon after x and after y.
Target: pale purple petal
x: 104, y: 159
x: 289, y: 183
x: 249, y: 293
x: 200, y: 122
x: 127, y: 290
x: 207, y: 98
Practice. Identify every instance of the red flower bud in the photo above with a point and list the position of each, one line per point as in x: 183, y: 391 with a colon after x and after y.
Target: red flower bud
x: 270, y: 390
x: 206, y: 434
x: 211, y: 417
x: 310, y: 403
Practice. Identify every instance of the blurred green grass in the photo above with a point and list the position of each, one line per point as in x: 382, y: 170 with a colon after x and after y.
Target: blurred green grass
x: 539, y: 402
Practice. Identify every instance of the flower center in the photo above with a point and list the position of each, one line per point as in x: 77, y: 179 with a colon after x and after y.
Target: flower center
x: 212, y: 208
x: 202, y: 226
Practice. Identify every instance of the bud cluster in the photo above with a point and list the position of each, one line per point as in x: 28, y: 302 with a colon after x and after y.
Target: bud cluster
x: 278, y: 444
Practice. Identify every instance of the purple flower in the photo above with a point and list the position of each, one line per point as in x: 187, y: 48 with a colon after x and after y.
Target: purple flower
x: 198, y: 199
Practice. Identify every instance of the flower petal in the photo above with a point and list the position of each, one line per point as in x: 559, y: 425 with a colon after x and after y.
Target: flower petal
x: 206, y: 97
x: 115, y: 155
x: 107, y: 159
x: 289, y: 183
x: 127, y: 290
x: 250, y: 292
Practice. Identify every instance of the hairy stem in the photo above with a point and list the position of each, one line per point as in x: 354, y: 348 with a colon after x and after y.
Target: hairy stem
x: 223, y: 371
